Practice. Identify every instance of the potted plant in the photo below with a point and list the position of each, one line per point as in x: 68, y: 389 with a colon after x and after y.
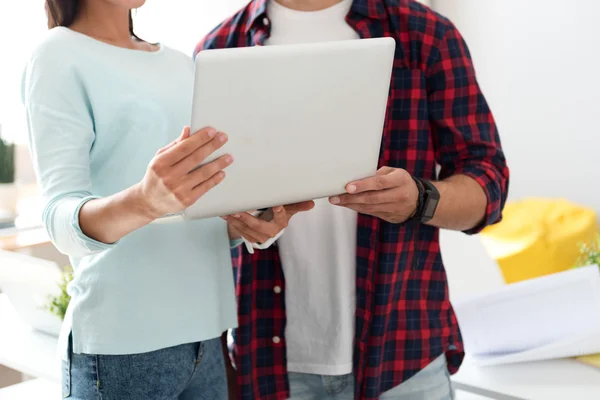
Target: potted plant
x: 589, y: 254
x: 57, y: 305
x: 8, y: 189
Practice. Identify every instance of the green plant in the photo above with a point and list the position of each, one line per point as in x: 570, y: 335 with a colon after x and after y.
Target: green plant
x: 7, y: 162
x: 58, y: 304
x: 589, y: 253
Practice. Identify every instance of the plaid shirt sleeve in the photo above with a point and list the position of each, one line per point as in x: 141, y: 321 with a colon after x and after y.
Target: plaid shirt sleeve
x: 463, y: 127
x: 205, y: 44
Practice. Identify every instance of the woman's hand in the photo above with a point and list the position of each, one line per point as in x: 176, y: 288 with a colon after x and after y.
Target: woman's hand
x: 268, y: 225
x: 173, y: 180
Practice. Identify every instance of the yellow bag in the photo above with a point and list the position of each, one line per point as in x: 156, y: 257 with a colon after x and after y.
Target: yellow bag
x: 539, y: 237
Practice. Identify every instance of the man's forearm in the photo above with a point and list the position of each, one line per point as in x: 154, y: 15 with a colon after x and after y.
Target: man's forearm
x: 462, y: 203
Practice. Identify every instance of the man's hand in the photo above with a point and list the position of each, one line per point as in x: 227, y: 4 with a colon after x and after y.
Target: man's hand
x: 259, y: 230
x: 391, y: 195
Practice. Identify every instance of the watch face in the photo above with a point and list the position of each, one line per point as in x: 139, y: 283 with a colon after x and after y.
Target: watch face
x: 430, y: 208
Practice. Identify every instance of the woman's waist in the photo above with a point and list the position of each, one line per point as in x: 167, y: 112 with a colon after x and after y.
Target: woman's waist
x: 174, y: 251
x: 124, y: 323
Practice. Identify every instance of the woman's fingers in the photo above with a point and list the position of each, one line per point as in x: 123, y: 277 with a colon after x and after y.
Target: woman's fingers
x: 205, y: 172
x: 201, y: 189
x: 184, y: 135
x: 187, y: 146
x: 197, y: 157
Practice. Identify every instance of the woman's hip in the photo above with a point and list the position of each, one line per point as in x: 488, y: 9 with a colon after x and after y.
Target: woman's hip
x: 179, y: 372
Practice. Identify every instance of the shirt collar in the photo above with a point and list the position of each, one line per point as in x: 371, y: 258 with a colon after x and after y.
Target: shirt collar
x: 374, y: 9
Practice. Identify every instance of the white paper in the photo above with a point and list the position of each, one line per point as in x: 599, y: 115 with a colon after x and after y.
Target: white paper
x: 549, y: 317
x: 587, y: 343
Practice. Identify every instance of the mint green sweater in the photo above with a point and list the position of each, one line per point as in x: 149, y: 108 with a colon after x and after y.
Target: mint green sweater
x: 97, y: 114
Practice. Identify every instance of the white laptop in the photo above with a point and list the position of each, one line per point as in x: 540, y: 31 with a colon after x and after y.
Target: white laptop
x: 28, y: 283
x: 303, y: 120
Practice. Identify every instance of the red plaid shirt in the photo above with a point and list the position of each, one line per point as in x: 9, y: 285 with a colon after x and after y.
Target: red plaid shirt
x: 436, y: 115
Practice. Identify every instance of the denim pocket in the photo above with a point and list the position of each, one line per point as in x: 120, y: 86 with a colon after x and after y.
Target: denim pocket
x: 334, y: 385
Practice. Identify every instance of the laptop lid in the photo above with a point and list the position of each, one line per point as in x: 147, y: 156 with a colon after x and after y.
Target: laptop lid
x: 303, y: 120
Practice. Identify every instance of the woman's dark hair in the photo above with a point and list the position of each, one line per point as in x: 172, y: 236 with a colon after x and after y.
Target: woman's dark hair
x: 63, y: 12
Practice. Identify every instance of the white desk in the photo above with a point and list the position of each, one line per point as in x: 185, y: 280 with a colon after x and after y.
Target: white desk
x: 38, y: 389
x: 547, y: 380
x: 23, y: 349
x: 34, y: 354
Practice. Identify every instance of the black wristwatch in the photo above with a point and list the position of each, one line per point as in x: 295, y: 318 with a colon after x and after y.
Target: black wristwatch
x: 429, y: 197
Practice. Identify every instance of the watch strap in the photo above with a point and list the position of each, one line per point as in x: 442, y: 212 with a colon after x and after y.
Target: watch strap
x: 429, y: 198
x: 420, y: 200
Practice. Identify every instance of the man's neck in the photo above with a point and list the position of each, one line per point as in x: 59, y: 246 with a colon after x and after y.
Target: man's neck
x: 308, y: 5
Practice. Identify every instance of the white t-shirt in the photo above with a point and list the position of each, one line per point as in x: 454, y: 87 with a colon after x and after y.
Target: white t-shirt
x: 318, y: 248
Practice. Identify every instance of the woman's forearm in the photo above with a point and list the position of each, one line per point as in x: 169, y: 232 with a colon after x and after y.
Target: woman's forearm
x: 109, y: 219
x: 171, y: 184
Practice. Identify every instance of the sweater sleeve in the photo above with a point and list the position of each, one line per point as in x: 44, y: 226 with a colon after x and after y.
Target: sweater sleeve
x: 61, y: 135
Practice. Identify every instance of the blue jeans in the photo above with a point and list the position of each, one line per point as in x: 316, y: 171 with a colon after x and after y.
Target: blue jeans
x: 431, y: 383
x: 194, y: 371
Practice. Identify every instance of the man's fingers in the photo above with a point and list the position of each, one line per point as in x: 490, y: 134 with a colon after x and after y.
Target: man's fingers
x: 385, y: 178
x: 377, y: 182
x: 257, y: 230
x: 299, y: 207
x: 242, y: 229
x: 280, y: 216
x: 373, y: 197
x: 250, y: 234
x: 385, y: 170
x: 259, y: 226
x: 370, y: 209
x: 247, y: 234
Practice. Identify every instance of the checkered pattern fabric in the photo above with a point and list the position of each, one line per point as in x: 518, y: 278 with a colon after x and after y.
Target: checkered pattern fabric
x: 436, y: 115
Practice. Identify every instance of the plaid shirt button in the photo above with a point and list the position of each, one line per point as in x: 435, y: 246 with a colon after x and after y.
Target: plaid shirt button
x: 276, y: 339
x: 266, y: 21
x: 277, y: 289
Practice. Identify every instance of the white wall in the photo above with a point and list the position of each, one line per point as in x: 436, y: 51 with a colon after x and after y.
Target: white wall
x: 177, y: 23
x: 182, y: 23
x: 538, y: 62
x: 22, y: 25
